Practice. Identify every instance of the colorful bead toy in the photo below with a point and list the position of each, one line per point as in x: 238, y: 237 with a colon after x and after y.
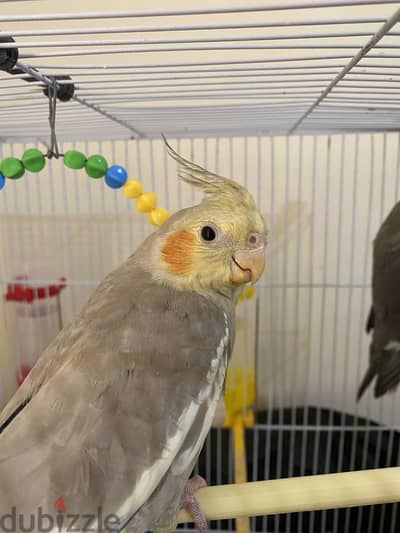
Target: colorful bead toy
x: 146, y: 202
x: 33, y: 160
x: 132, y: 188
x: 12, y: 168
x: 96, y: 166
x: 74, y: 159
x: 116, y: 176
x: 157, y: 216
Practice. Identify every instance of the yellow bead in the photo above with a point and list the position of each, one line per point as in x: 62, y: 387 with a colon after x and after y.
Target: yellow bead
x: 146, y: 202
x: 132, y: 188
x: 246, y: 294
x: 249, y: 292
x: 158, y: 216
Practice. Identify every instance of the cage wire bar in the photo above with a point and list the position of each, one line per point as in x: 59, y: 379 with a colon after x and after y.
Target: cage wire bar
x: 338, y: 89
x: 305, y: 68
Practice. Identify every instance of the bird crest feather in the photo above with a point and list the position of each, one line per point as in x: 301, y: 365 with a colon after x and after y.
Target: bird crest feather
x: 210, y: 183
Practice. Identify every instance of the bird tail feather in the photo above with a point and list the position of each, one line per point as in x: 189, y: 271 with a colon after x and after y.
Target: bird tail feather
x: 365, y: 383
x: 385, y: 366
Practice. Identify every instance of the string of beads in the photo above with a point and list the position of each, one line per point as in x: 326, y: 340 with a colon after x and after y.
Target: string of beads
x: 96, y: 166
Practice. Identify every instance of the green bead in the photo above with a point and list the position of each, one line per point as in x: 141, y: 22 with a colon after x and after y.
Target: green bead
x: 33, y: 160
x: 96, y: 166
x: 12, y: 168
x: 74, y: 159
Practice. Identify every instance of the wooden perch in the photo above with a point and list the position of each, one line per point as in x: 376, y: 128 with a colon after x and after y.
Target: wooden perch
x: 308, y: 493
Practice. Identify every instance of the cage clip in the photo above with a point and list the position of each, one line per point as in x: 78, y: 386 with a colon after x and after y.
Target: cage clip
x: 8, y: 56
x: 9, y: 63
x: 65, y: 91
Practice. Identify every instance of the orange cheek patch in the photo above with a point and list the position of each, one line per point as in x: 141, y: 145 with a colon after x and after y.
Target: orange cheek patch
x: 177, y: 251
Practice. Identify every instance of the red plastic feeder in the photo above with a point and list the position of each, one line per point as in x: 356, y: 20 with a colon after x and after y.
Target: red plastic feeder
x: 37, y: 317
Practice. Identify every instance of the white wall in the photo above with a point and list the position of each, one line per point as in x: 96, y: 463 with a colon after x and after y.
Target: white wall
x: 323, y: 198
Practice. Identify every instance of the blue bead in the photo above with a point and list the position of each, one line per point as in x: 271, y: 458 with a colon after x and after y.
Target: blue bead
x: 2, y: 181
x: 116, y: 176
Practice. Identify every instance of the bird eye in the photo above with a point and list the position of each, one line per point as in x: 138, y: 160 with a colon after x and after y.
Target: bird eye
x: 208, y: 233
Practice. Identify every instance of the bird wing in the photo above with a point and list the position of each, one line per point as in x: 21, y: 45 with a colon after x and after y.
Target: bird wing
x: 112, y: 399
x: 386, y: 267
x: 384, y: 317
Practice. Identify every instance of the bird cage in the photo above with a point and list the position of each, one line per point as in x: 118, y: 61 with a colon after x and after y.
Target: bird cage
x: 296, y: 100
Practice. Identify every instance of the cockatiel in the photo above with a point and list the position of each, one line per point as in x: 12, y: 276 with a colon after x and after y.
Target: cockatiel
x: 384, y: 317
x: 108, y: 425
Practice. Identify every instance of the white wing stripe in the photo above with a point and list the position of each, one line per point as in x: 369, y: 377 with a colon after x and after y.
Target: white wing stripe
x: 149, y: 479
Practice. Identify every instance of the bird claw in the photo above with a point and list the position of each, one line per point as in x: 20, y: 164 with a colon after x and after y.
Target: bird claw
x: 191, y: 505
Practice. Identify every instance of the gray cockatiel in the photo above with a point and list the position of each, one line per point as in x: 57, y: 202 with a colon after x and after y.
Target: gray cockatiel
x: 110, y: 422
x: 384, y: 317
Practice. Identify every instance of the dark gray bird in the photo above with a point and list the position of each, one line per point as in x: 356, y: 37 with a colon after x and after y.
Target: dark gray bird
x: 384, y: 317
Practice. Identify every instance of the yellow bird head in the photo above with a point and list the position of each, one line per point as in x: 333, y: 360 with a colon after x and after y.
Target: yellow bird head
x: 218, y: 245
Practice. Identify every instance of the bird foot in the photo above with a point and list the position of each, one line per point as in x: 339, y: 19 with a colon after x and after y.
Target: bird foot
x: 191, y: 505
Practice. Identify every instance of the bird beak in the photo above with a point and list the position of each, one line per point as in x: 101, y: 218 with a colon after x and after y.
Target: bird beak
x: 248, y: 265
